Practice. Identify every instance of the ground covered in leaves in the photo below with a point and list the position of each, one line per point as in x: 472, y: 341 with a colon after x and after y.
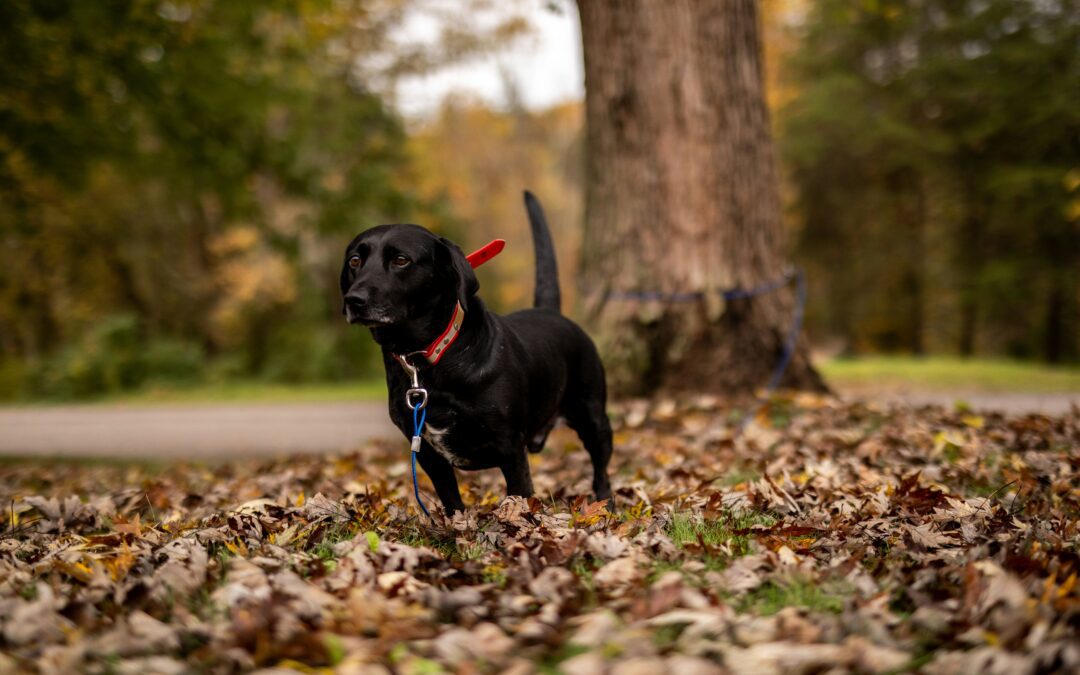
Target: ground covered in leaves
x: 826, y: 538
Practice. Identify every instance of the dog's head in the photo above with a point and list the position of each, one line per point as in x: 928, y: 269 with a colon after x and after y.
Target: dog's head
x: 392, y: 273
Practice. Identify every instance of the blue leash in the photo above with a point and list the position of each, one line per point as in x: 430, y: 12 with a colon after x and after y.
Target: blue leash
x: 419, y: 416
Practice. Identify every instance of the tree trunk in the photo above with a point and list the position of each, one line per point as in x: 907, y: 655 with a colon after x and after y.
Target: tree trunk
x: 1053, y: 344
x: 682, y: 198
x: 910, y: 199
x: 969, y: 265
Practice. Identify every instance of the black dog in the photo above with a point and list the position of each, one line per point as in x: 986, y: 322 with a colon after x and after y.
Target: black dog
x: 496, y: 384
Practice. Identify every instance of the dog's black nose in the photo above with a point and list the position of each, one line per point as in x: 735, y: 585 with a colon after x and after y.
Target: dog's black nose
x: 357, y: 299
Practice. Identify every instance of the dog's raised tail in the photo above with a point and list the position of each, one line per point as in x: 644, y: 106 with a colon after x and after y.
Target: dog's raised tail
x: 547, y: 272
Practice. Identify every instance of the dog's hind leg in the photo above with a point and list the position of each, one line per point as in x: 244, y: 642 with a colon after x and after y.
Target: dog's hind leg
x: 442, y: 477
x: 589, y: 419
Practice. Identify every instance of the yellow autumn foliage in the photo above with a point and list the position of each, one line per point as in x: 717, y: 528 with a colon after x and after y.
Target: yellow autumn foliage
x: 251, y: 280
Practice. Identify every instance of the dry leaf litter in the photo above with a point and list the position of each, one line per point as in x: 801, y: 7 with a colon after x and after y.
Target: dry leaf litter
x: 829, y: 537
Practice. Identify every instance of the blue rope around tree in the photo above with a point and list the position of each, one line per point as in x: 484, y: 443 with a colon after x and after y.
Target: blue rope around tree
x: 793, y: 332
x: 740, y: 294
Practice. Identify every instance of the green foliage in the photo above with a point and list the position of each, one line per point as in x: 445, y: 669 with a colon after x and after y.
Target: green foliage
x: 194, y: 169
x: 932, y: 147
x: 112, y: 357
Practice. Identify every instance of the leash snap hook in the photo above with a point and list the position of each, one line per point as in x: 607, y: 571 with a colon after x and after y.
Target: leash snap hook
x: 420, y: 394
x: 413, y: 371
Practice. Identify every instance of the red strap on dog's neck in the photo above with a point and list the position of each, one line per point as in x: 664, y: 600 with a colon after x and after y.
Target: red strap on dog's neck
x: 486, y: 253
x: 436, y: 349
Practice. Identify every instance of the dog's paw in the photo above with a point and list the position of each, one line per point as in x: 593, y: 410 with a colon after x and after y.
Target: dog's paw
x: 609, y: 503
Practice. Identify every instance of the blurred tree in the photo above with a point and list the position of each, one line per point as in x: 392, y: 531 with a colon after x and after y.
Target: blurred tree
x: 682, y: 197
x: 931, y: 145
x: 491, y: 156
x: 197, y: 166
x: 137, y: 132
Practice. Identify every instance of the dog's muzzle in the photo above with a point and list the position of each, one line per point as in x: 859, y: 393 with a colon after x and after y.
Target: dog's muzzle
x: 358, y: 309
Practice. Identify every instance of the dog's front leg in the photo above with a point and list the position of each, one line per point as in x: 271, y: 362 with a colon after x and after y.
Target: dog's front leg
x: 515, y: 469
x: 442, y: 477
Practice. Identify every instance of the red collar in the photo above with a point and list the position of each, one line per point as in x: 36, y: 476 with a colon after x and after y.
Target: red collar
x: 436, y: 349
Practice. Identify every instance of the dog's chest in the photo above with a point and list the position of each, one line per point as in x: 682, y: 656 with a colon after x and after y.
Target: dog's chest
x: 439, y: 438
x: 462, y: 442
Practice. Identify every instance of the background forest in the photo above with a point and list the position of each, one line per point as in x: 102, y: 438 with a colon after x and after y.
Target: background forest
x: 178, y: 180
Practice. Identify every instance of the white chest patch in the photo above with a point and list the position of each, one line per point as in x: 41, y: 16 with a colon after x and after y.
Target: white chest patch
x: 437, y: 438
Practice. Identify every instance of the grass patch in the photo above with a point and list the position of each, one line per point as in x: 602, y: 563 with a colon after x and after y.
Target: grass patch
x: 583, y: 569
x: 324, y: 551
x: 686, y: 530
x: 950, y: 374
x: 494, y: 574
x: 771, y: 597
x: 444, y: 545
x: 235, y: 392
x: 659, y: 567
x: 665, y: 637
x: 550, y: 663
x: 739, y: 474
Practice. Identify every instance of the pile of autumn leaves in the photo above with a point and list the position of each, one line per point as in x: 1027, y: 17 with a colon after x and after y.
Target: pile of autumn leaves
x: 827, y: 537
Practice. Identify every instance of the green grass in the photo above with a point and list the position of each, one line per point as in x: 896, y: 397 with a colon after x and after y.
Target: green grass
x: 874, y: 372
x: 739, y: 474
x: 950, y: 374
x: 239, y: 392
x: 685, y: 530
x: 770, y: 598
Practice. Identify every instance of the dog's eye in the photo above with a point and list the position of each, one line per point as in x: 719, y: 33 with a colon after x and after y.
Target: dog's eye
x: 400, y: 261
x: 354, y: 261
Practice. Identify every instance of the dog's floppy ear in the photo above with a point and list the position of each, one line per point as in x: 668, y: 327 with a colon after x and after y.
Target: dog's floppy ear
x: 465, y: 277
x: 345, y: 271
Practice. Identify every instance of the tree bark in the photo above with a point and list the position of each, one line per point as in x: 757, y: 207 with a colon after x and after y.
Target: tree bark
x: 910, y: 200
x: 969, y: 264
x: 682, y: 197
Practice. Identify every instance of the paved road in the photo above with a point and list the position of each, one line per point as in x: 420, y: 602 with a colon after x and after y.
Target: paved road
x: 1011, y: 403
x: 229, y: 431
x: 191, y: 432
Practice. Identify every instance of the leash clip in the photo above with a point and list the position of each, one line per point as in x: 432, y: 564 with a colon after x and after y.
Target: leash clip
x: 410, y: 369
x: 421, y: 394
x: 415, y: 391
